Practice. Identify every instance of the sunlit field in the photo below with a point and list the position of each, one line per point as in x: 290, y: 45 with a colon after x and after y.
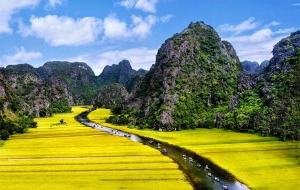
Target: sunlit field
x: 260, y: 162
x: 72, y: 156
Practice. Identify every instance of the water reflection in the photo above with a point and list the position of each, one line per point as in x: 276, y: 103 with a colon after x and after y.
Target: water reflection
x: 203, y: 174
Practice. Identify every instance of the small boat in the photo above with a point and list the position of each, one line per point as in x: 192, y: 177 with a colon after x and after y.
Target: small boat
x: 150, y: 141
x: 158, y: 145
x: 209, y: 174
x: 165, y: 150
x: 224, y: 187
x: 191, y: 159
x: 184, y: 157
x: 206, y: 167
x: 217, y: 179
x: 198, y: 165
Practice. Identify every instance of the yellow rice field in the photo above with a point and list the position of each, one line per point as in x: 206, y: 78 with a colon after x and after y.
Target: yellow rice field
x: 260, y: 162
x: 73, y: 156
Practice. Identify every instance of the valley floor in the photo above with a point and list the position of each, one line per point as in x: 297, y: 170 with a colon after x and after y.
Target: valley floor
x: 260, y: 162
x: 72, y: 156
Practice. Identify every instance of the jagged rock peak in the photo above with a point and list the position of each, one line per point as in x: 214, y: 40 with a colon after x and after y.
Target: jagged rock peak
x: 121, y: 73
x: 285, y: 48
x: 254, y: 67
x: 122, y: 65
x: 125, y: 63
x: 192, y: 66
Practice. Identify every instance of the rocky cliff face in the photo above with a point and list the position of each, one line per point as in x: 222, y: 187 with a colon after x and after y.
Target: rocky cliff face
x: 279, y: 87
x: 198, y: 81
x: 111, y: 95
x: 24, y: 89
x: 250, y: 66
x: 194, y: 72
x: 254, y: 67
x: 56, y: 86
x: 77, y: 80
x: 122, y: 74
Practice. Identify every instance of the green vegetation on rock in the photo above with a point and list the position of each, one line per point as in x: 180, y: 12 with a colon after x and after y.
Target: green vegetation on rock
x: 191, y: 84
x: 111, y: 95
x: 198, y: 81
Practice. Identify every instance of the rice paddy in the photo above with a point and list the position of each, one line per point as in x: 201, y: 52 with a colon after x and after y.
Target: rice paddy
x: 72, y: 156
x: 259, y: 162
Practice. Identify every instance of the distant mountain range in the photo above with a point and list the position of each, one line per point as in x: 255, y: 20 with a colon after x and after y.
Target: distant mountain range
x: 57, y: 85
x: 254, y: 67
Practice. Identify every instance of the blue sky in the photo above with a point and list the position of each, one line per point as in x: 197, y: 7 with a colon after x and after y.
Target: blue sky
x: 104, y: 32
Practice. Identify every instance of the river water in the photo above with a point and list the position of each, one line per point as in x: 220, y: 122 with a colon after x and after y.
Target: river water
x: 201, y: 173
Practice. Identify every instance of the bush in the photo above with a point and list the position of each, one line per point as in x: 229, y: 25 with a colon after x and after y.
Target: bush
x: 4, y: 134
x: 116, y: 109
x: 118, y: 119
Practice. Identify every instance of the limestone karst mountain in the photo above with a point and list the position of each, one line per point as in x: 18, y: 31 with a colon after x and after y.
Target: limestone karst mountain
x: 198, y: 81
x: 191, y: 83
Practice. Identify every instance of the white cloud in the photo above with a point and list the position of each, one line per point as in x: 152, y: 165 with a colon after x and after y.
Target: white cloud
x: 285, y: 31
x: 63, y: 30
x: 166, y: 18
x: 273, y: 23
x: 21, y: 56
x: 243, y: 26
x: 128, y: 3
x: 142, y: 27
x: 54, y: 3
x: 256, y: 51
x: 138, y: 57
x: 261, y: 35
x: 10, y: 7
x: 144, y: 5
x: 116, y: 29
x: 257, y: 46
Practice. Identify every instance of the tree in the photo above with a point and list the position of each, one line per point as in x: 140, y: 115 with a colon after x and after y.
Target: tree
x: 117, y: 109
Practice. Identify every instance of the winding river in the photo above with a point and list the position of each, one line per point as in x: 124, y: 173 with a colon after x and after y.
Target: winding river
x: 201, y: 173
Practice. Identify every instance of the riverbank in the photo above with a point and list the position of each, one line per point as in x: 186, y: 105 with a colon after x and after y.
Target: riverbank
x: 69, y: 155
x: 259, y: 162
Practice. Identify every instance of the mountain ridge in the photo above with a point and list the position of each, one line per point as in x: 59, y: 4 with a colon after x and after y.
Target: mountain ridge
x: 55, y: 86
x: 171, y: 95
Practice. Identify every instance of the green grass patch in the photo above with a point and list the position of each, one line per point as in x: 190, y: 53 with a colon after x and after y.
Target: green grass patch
x: 260, y: 162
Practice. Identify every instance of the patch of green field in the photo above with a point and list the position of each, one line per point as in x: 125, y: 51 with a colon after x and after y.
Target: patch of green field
x: 259, y: 162
x: 73, y: 156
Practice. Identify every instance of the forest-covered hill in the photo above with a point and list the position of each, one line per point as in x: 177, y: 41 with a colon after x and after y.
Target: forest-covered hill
x: 198, y: 81
x: 57, y: 85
